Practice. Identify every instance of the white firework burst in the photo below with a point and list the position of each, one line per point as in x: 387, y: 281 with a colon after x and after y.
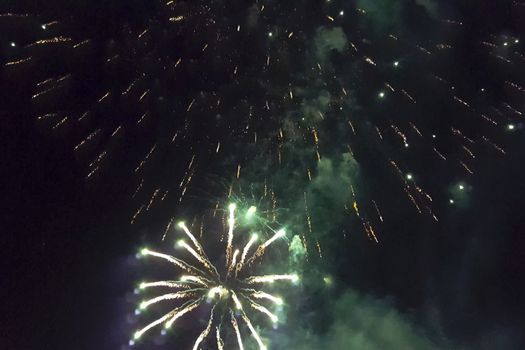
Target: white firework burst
x: 233, y: 290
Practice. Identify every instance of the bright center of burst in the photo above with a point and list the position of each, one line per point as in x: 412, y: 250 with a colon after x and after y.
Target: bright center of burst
x: 219, y: 290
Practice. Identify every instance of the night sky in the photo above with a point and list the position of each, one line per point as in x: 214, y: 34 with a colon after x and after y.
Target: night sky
x: 385, y: 136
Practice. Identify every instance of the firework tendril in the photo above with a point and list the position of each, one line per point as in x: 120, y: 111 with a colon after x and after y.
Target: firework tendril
x: 234, y: 293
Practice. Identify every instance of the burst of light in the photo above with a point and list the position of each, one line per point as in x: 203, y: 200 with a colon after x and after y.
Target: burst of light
x: 381, y: 94
x: 251, y: 211
x: 341, y: 13
x: 451, y: 201
x: 511, y: 126
x: 409, y: 176
x: 396, y: 63
x: 43, y: 26
x: 13, y: 44
x: 461, y: 187
x: 237, y: 288
x: 328, y: 280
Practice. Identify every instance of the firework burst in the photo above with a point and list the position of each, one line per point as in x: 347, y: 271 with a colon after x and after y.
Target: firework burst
x: 233, y: 289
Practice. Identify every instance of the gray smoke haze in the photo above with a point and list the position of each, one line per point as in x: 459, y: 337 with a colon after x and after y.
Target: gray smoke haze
x: 328, y: 39
x: 363, y: 323
x: 387, y: 15
x: 329, y: 191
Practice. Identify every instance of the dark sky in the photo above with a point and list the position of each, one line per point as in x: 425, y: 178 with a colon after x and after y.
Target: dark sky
x: 68, y: 266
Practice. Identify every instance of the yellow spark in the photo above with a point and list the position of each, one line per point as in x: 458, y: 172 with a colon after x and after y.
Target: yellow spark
x: 196, y: 279
x: 466, y: 167
x: 82, y: 43
x: 264, y: 295
x: 370, y: 231
x: 272, y: 278
x: 231, y: 223
x: 182, y: 225
x: 141, y: 164
x: 408, y: 96
x: 220, y: 342
x: 190, y: 105
x: 170, y: 296
x: 377, y: 210
x: 265, y: 311
x: 20, y: 61
x: 370, y: 61
x: 152, y: 199
x: 88, y: 138
x: 237, y: 332
x: 138, y: 188
x: 104, y: 96
x: 254, y: 332
x: 197, y: 256
x: 351, y: 126
x: 245, y: 250
x: 280, y: 233
x: 439, y: 154
x: 137, y: 213
x: 181, y: 313
x: 170, y: 284
x: 139, y: 333
x: 174, y: 261
x: 142, y: 117
x: 234, y: 259
x: 116, y: 130
x: 356, y: 208
x: 55, y: 40
x: 236, y: 300
x: 142, y: 34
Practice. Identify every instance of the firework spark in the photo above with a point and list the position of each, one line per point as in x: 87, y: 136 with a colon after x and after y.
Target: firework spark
x: 232, y: 289
x: 320, y: 111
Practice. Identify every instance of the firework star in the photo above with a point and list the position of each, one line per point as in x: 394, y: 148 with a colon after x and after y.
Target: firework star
x: 232, y: 289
